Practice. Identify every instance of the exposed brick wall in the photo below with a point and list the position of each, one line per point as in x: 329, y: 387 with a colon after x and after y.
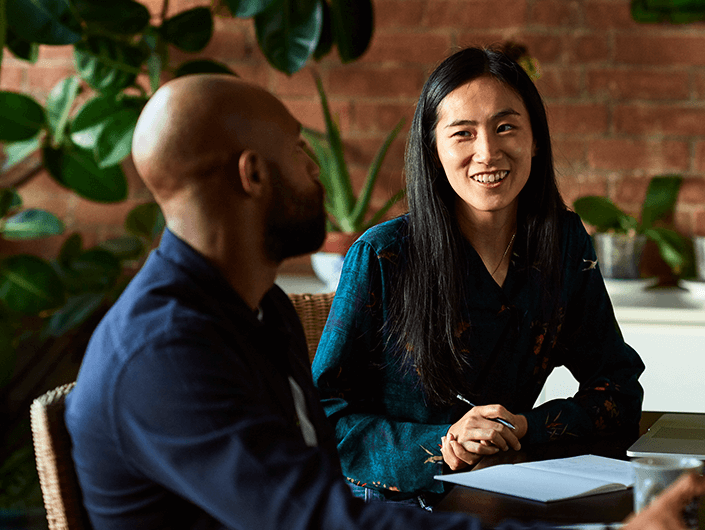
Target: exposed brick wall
x: 625, y: 100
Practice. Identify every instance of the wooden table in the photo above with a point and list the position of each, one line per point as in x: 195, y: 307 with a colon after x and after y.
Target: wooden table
x: 492, y: 508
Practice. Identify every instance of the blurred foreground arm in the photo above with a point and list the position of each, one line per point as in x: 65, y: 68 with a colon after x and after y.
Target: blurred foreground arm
x: 666, y: 511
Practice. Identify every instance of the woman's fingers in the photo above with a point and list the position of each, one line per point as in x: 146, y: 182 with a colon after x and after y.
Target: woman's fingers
x: 479, y: 424
x: 456, y: 455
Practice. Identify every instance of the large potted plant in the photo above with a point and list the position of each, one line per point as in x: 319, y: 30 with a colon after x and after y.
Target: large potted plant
x: 620, y: 238
x: 82, y: 135
x: 348, y: 213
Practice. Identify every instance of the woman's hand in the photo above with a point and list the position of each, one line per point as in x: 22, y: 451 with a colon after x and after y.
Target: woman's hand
x: 477, y: 434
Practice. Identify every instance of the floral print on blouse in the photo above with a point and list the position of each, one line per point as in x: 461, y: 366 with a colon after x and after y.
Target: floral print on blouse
x: 389, y: 436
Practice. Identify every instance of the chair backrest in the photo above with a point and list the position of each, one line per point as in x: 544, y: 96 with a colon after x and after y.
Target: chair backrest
x: 313, y: 311
x: 57, y: 475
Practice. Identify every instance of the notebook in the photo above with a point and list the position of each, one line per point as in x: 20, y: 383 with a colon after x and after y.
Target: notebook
x: 550, y: 480
x: 673, y: 434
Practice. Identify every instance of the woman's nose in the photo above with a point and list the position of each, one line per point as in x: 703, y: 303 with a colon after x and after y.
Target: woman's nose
x: 486, y: 148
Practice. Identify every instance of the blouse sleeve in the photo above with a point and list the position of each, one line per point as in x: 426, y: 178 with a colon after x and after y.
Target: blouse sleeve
x: 609, y: 397
x: 378, y: 449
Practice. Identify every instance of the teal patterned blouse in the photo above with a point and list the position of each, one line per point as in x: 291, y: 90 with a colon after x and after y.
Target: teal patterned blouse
x: 389, y: 437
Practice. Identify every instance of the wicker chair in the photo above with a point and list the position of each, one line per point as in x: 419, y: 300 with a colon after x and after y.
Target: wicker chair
x: 313, y: 311
x: 57, y: 475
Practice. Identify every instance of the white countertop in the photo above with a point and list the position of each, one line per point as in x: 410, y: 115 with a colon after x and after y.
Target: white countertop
x: 666, y: 305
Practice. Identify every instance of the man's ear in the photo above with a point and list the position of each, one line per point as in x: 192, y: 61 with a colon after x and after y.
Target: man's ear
x: 252, y: 170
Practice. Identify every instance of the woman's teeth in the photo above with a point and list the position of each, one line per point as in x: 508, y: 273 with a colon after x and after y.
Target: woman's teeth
x: 488, y: 178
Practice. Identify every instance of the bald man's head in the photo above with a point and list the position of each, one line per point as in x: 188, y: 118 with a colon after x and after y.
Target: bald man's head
x: 195, y: 127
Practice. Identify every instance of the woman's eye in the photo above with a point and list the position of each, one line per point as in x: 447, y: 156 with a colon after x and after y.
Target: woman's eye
x: 505, y: 127
x: 462, y: 134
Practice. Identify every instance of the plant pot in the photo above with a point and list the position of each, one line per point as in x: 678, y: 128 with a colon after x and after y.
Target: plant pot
x: 699, y: 248
x: 327, y: 263
x: 619, y: 255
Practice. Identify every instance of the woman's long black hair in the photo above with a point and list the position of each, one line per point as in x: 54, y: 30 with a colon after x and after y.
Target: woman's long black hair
x: 425, y: 310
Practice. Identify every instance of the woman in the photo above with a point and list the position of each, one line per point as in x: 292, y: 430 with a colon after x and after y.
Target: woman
x: 485, y: 286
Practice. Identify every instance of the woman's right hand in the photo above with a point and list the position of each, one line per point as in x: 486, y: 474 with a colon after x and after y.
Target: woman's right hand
x: 477, y: 434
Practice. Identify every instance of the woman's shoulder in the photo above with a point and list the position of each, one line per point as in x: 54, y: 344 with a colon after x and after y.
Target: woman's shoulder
x: 386, y: 235
x: 571, y: 221
x: 572, y: 225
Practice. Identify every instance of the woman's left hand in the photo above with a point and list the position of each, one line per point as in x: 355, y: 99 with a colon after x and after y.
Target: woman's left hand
x: 456, y: 456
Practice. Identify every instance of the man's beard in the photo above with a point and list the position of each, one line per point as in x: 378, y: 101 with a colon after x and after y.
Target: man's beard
x: 295, y: 224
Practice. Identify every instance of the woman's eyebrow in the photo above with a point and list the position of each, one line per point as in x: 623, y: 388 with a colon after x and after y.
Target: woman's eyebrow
x: 498, y: 115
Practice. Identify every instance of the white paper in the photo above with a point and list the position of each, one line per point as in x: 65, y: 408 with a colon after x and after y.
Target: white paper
x: 550, y: 480
x: 598, y: 467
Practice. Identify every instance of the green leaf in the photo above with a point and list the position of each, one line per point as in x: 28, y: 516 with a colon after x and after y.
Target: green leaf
x: 288, y: 32
x: 70, y: 250
x: 384, y: 209
x: 338, y: 201
x: 325, y: 41
x: 353, y: 26
x: 92, y: 118
x: 108, y: 65
x: 123, y: 17
x: 76, y: 169
x: 189, y: 31
x: 673, y: 11
x: 145, y: 220
x: 115, y: 140
x: 32, y: 224
x: 43, y: 21
x: 59, y: 103
x: 20, y: 48
x: 154, y: 69
x: 8, y: 353
x: 363, y: 201
x: 673, y: 248
x: 247, y: 8
x: 30, y: 285
x: 19, y: 483
x: 77, y: 310
x: 203, y: 66
x: 9, y: 200
x: 21, y: 117
x: 93, y: 270
x: 334, y: 171
x: 642, y: 14
x: 661, y: 197
x: 688, y: 17
x: 105, y: 124
x: 603, y: 214
x: 18, y: 151
x: 124, y: 248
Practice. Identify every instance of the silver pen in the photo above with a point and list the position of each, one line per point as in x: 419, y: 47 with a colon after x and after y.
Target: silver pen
x: 500, y: 420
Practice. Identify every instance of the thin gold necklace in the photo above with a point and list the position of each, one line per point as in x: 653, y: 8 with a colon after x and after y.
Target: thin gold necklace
x: 504, y: 255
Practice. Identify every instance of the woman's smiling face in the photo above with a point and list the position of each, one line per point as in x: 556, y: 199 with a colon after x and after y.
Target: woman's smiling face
x: 485, y: 145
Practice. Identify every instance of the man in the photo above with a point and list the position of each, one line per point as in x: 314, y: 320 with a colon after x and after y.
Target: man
x: 194, y: 407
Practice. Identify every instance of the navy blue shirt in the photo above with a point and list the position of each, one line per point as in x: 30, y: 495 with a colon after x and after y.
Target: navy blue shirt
x: 183, y: 416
